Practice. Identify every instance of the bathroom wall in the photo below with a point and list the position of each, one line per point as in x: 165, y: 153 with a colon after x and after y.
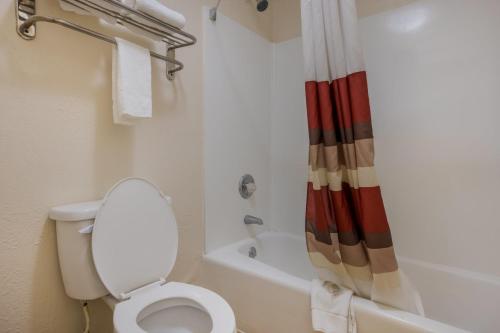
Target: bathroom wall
x: 244, y: 12
x: 237, y: 96
x: 285, y: 23
x: 254, y: 116
x: 289, y: 139
x: 58, y: 145
x: 433, y: 79
x: 370, y: 7
x: 433, y: 75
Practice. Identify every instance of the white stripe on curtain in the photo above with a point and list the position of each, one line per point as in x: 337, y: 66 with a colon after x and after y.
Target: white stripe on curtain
x: 330, y: 38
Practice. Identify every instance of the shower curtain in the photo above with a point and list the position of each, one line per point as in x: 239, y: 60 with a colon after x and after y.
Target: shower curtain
x: 348, y: 236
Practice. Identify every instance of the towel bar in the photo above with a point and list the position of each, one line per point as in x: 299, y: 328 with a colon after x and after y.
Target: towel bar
x: 172, y: 36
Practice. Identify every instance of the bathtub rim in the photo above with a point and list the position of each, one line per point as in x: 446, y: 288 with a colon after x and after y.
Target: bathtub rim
x: 230, y: 257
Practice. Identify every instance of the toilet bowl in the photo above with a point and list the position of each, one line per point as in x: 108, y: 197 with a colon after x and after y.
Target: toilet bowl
x: 174, y: 308
x: 122, y: 248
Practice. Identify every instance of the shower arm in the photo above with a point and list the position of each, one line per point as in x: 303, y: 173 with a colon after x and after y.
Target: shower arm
x: 212, y: 14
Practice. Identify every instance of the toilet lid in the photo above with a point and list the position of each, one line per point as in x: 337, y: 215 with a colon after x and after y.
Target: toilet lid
x: 134, y: 241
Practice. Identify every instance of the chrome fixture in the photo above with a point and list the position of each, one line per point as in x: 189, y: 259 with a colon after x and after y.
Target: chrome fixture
x: 249, y: 219
x: 212, y: 14
x: 261, y: 6
x: 252, y: 252
x: 173, y: 37
x: 246, y: 186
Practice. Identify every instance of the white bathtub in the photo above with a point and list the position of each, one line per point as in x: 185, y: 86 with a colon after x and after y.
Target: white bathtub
x: 270, y: 293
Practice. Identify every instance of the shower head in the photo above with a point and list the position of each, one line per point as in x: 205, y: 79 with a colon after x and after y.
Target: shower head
x: 262, y: 5
x: 212, y: 14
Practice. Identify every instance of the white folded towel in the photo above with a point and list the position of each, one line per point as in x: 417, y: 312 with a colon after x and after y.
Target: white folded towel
x: 71, y: 6
x: 150, y: 7
x: 332, y: 309
x: 156, y: 10
x: 159, y: 11
x: 131, y: 83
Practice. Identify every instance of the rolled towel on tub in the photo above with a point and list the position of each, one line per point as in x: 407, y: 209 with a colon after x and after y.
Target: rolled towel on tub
x: 331, y: 308
x: 131, y: 83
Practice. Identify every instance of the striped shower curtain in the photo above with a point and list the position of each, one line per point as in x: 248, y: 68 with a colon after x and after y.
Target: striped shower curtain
x: 347, y: 232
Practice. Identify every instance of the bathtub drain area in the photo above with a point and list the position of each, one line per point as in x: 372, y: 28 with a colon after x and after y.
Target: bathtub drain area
x: 252, y: 252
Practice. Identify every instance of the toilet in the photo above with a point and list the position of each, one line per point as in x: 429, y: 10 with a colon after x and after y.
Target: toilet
x: 122, y: 248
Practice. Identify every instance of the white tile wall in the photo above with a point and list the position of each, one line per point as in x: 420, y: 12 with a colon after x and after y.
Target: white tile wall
x: 434, y: 79
x: 255, y: 122
x: 237, y: 126
x: 289, y: 139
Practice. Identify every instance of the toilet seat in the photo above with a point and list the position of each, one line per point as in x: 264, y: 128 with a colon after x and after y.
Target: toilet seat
x: 134, y: 247
x: 126, y: 314
x: 135, y: 237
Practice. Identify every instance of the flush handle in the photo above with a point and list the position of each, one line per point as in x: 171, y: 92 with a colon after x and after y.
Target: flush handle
x: 87, y: 230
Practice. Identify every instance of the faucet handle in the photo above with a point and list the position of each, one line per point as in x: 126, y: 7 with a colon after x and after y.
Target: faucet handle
x: 251, y: 187
x: 247, y: 186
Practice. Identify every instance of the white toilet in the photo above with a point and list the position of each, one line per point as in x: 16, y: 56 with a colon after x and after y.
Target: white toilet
x: 126, y: 245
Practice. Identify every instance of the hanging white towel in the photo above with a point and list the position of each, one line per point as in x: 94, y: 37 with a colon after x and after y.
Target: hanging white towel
x: 131, y: 83
x: 331, y: 308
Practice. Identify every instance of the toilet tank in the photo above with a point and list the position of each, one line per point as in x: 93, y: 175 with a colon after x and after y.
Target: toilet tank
x: 74, y: 235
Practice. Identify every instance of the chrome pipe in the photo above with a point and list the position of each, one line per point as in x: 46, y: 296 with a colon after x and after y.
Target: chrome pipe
x: 249, y: 219
x: 212, y: 14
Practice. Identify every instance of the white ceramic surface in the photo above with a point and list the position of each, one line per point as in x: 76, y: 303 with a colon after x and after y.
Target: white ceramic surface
x: 135, y: 237
x: 254, y: 123
x: 275, y: 292
x: 237, y: 92
x: 289, y: 139
x: 150, y: 310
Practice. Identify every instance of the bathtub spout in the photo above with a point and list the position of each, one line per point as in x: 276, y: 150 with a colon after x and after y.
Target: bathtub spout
x: 249, y: 219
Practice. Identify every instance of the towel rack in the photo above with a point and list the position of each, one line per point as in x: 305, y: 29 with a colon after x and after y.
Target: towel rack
x: 173, y: 37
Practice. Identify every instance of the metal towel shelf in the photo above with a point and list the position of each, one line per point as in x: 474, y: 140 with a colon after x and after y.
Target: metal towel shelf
x: 173, y: 37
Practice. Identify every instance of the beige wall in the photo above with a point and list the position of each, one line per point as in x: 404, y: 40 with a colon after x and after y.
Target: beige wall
x: 286, y: 19
x: 58, y: 145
